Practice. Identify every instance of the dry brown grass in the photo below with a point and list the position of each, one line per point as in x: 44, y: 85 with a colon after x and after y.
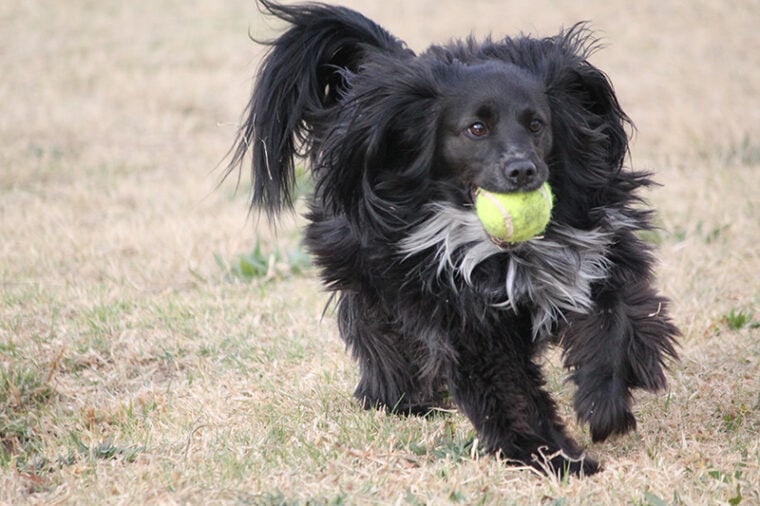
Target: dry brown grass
x: 134, y: 370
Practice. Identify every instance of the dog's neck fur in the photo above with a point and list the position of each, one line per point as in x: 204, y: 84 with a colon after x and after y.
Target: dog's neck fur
x: 552, y: 276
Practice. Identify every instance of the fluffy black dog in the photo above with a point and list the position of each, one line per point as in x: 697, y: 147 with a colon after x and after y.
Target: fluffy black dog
x: 429, y: 305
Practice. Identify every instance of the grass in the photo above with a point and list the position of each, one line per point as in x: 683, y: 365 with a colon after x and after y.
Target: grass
x: 260, y: 264
x: 736, y: 319
x: 148, y: 356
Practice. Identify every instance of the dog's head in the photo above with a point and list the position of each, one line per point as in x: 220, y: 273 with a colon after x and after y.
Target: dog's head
x: 504, y: 116
x: 495, y: 129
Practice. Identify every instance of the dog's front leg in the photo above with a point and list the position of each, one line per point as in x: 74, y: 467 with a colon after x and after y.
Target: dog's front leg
x: 621, y: 344
x: 500, y: 389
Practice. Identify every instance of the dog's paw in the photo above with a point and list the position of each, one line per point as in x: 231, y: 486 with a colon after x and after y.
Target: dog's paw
x: 561, y: 466
x: 606, y: 409
x: 402, y: 407
x: 583, y: 467
x: 606, y: 424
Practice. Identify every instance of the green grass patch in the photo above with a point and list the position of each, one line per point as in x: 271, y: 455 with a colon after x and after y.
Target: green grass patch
x: 105, y: 450
x: 746, y: 152
x: 24, y: 394
x: 736, y: 319
x: 261, y: 264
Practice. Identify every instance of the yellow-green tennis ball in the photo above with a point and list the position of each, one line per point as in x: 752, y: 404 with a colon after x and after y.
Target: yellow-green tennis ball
x: 514, y: 217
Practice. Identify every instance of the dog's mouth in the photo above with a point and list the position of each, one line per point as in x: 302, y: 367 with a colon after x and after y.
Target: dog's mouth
x: 473, y: 193
x: 507, y: 246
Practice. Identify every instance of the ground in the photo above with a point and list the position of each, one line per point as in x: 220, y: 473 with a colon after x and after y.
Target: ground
x: 150, y: 353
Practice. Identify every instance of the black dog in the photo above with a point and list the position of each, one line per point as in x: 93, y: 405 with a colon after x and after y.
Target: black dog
x: 429, y: 305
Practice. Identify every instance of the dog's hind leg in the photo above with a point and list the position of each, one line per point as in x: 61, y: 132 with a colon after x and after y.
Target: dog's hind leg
x: 390, y: 364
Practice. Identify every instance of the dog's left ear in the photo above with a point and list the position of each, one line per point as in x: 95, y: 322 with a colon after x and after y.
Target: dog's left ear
x: 586, y: 110
x: 598, y: 98
x: 590, y: 137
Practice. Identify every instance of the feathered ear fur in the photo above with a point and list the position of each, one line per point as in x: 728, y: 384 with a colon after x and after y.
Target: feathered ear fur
x: 377, y: 161
x: 574, y: 81
x: 297, y: 88
x: 590, y: 131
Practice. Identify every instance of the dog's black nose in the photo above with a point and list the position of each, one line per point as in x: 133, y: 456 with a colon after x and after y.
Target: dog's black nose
x: 521, y: 173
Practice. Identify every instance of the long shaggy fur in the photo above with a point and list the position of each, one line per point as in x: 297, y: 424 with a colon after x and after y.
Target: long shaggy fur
x: 430, y: 307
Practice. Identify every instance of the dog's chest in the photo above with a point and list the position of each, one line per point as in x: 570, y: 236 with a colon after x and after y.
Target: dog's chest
x: 552, y: 277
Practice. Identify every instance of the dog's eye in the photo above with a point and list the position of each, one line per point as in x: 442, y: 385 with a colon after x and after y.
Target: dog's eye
x: 477, y: 129
x: 535, y: 125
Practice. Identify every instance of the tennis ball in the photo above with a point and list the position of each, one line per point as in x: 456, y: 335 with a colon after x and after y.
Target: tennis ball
x: 514, y: 217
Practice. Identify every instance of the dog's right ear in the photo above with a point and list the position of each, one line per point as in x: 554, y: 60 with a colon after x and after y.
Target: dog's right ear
x: 377, y: 162
x: 297, y: 88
